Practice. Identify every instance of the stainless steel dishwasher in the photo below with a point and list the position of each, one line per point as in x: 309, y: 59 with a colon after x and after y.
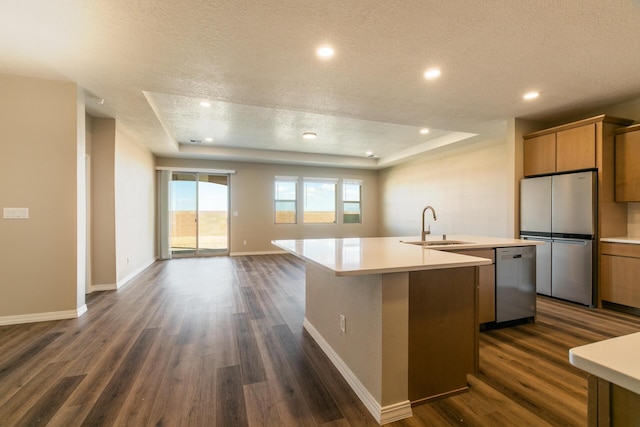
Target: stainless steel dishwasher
x: 515, y: 283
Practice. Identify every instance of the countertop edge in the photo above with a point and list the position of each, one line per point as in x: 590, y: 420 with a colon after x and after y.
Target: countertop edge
x: 599, y: 366
x: 629, y: 240
x: 408, y: 269
x: 459, y: 261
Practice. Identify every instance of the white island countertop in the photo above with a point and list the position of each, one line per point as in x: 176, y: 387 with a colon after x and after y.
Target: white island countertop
x: 616, y: 360
x: 378, y: 255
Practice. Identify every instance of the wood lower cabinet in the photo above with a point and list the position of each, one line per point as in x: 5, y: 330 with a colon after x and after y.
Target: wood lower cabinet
x: 443, y: 332
x: 611, y: 405
x: 619, y: 273
x: 627, y: 164
x: 486, y: 283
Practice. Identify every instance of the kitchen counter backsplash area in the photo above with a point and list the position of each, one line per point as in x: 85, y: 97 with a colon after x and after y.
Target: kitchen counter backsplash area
x: 633, y: 221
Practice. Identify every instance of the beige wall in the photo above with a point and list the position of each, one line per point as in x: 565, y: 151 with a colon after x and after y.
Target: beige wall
x: 39, y: 170
x: 81, y: 201
x: 252, y: 191
x: 469, y: 186
x: 103, y: 222
x: 134, y: 171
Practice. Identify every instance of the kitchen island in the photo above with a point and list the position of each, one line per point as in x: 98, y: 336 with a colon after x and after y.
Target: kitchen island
x: 398, y: 320
x: 614, y: 380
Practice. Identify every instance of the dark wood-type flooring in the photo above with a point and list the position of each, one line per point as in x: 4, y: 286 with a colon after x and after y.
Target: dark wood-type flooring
x: 219, y: 342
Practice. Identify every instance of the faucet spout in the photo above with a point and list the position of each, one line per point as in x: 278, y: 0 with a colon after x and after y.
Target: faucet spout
x: 428, y: 230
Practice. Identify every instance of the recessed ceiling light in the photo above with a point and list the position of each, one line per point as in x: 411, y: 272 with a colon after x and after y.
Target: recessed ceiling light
x: 209, y: 139
x: 309, y: 135
x: 432, y: 73
x: 424, y: 131
x: 325, y: 52
x: 205, y: 104
x: 531, y: 95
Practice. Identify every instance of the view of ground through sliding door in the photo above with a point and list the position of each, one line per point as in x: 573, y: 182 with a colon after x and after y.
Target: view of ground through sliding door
x: 199, y: 212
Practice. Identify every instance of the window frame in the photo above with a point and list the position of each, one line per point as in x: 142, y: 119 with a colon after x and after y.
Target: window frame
x: 349, y: 181
x: 294, y: 180
x: 308, y: 180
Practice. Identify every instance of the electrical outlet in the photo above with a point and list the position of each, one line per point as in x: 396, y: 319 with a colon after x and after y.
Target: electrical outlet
x: 343, y: 324
x: 244, y: 242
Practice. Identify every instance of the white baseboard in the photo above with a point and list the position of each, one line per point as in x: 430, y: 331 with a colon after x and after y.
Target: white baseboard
x: 257, y: 253
x: 383, y: 415
x: 132, y: 275
x: 104, y: 287
x: 43, y: 317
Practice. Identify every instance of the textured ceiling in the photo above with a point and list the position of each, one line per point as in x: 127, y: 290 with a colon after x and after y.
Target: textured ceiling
x: 153, y: 62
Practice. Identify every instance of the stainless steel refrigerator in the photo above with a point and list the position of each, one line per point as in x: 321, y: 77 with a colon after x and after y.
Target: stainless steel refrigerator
x: 560, y: 211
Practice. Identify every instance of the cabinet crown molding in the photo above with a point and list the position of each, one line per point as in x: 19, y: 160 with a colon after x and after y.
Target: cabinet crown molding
x: 583, y: 122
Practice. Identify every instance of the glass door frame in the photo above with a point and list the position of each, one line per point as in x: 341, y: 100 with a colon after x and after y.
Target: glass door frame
x: 197, y: 251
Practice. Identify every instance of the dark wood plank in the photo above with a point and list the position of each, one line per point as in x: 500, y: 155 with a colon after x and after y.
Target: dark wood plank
x: 251, y: 301
x: 139, y: 404
x: 17, y: 404
x: 320, y: 401
x: 46, y: 407
x: 22, y: 358
x: 106, y: 409
x: 230, y: 406
x: 250, y: 359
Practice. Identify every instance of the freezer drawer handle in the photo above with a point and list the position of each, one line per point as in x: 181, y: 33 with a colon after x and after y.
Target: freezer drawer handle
x: 518, y: 256
x: 571, y: 242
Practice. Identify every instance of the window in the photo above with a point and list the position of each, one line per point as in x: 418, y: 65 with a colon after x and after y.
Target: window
x: 320, y: 200
x: 286, y: 200
x: 351, y: 201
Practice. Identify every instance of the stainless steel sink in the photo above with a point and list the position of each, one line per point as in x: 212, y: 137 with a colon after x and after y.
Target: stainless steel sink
x: 439, y: 243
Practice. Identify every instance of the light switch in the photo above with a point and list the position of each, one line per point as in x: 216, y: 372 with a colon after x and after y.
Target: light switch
x: 235, y: 213
x: 15, y: 213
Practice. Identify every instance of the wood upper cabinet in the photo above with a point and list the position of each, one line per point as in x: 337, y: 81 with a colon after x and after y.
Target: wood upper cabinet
x: 576, y: 148
x: 627, y: 164
x: 540, y: 155
x: 571, y: 147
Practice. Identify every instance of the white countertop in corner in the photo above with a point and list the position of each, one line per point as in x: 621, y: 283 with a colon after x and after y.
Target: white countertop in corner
x: 616, y: 360
x: 623, y: 239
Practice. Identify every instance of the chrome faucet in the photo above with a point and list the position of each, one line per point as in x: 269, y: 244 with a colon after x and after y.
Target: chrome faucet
x: 428, y: 231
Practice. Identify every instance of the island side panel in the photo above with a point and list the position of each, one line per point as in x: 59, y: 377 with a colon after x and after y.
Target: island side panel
x: 359, y: 299
x: 443, y: 325
x: 395, y: 339
x: 374, y: 346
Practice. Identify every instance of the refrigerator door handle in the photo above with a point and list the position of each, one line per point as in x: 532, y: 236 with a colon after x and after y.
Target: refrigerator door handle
x: 572, y: 242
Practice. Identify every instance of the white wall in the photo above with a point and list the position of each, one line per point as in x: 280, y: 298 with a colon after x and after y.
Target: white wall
x: 468, y: 185
x: 103, y: 211
x: 134, y: 206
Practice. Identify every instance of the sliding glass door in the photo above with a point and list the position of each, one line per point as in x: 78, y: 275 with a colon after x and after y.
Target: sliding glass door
x: 199, y: 211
